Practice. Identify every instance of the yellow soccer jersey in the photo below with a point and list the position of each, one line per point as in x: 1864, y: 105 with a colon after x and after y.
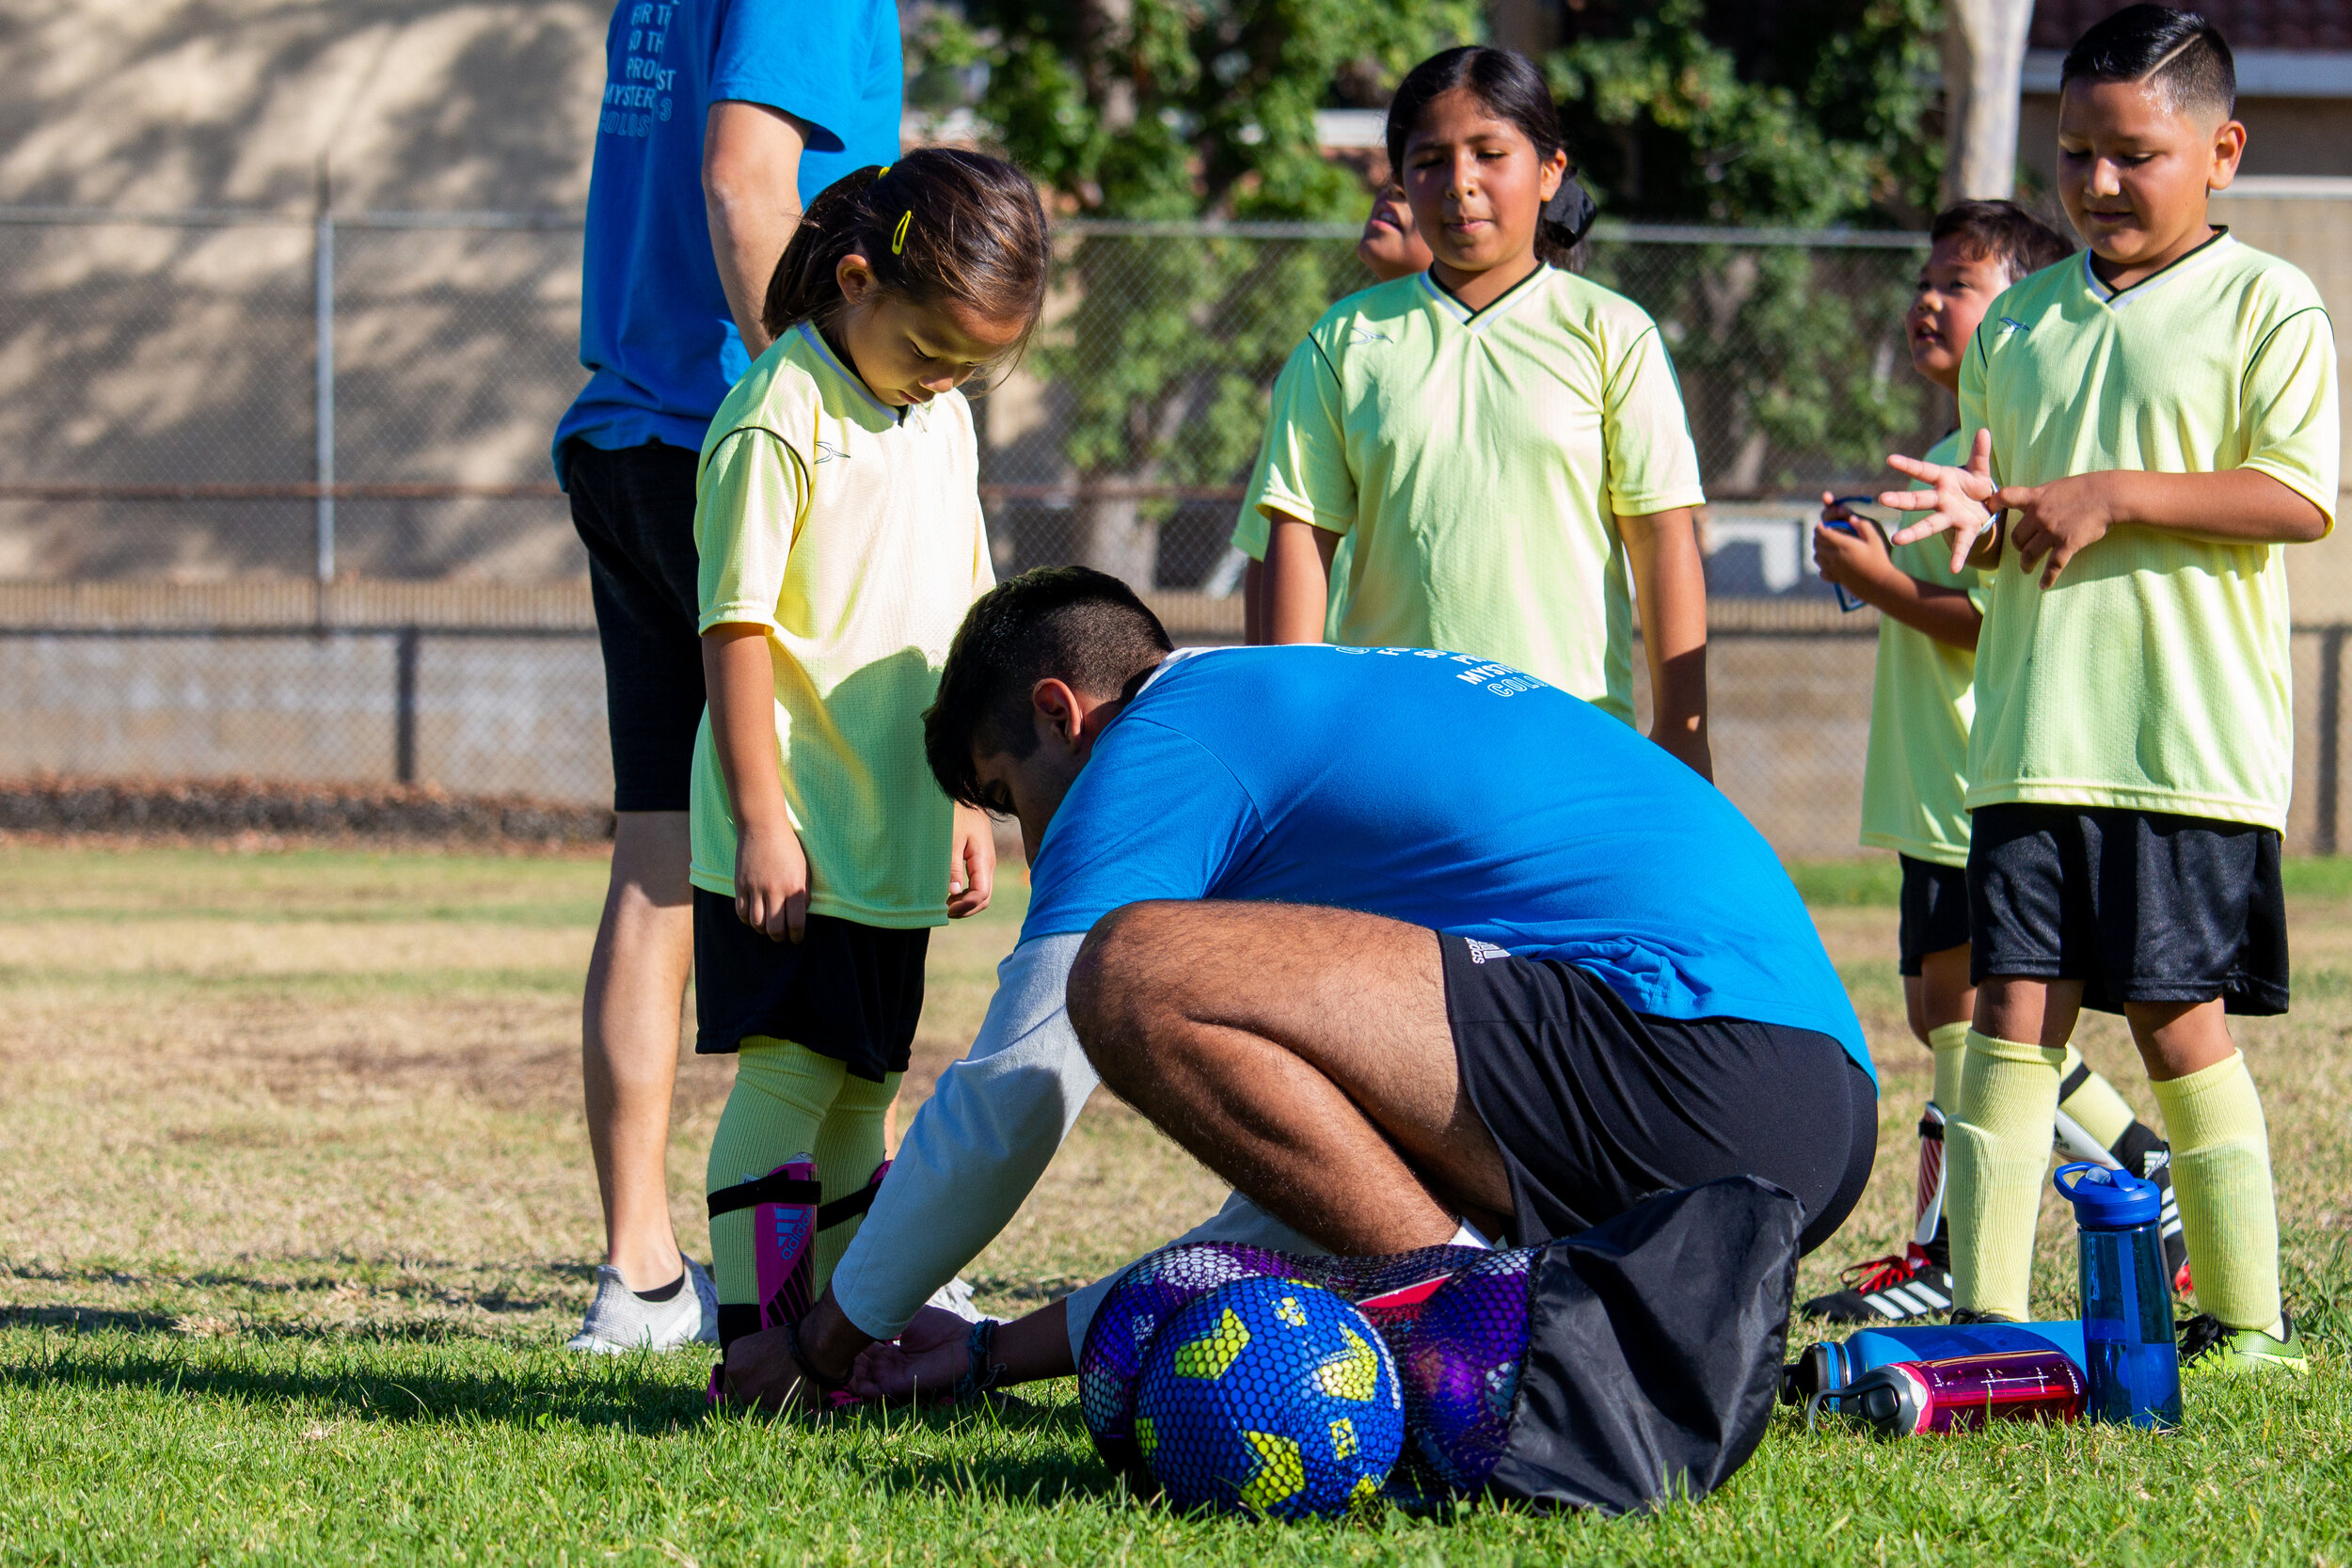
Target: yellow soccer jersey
x: 1915, y: 778
x: 851, y: 531
x: 2154, y: 675
x: 1479, y: 463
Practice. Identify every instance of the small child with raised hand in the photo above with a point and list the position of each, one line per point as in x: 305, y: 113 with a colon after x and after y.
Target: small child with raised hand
x: 1915, y: 778
x: 1390, y: 247
x: 839, y: 525
x: 2155, y: 423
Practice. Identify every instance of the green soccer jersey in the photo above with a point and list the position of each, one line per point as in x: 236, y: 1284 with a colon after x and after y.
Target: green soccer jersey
x: 1914, y: 780
x: 1478, y: 463
x: 2154, y: 675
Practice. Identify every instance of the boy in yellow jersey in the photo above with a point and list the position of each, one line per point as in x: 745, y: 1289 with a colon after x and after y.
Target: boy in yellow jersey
x: 1914, y: 778
x: 2153, y: 422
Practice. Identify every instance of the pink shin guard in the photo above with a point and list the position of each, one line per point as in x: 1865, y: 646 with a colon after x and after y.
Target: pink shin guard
x: 784, y: 1242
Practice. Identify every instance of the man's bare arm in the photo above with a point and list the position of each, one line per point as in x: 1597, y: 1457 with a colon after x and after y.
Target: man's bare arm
x: 752, y: 196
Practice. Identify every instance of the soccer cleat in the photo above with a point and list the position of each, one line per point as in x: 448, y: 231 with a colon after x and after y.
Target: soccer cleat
x: 1893, y: 1289
x: 2211, y: 1350
x: 1916, y: 1283
x: 620, y: 1321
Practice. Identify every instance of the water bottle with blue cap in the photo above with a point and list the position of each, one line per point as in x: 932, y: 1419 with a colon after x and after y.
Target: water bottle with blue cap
x: 2132, y: 1363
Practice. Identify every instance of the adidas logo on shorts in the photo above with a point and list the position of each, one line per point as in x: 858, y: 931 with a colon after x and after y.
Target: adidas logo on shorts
x: 1482, y: 951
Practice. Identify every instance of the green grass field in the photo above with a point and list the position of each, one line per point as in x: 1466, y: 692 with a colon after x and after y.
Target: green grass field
x: 294, y: 1212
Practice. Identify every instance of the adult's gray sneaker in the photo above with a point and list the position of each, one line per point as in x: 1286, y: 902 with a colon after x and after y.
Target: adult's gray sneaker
x: 619, y: 1320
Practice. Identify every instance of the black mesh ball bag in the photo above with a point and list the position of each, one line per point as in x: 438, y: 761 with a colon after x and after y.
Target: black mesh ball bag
x: 1631, y: 1365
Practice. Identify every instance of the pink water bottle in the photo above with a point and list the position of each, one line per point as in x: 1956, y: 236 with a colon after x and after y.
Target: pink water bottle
x: 1906, y: 1398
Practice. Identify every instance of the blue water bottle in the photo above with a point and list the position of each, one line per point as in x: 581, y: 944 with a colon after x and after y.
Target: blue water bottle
x: 2132, y: 1362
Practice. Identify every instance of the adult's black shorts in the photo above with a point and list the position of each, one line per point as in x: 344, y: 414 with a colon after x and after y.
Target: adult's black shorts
x: 1934, y: 912
x: 634, y: 510
x: 846, y: 991
x: 1596, y: 1106
x: 2140, y: 906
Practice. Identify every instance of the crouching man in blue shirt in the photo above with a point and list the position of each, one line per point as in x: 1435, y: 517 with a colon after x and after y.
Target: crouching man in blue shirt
x: 1401, y: 943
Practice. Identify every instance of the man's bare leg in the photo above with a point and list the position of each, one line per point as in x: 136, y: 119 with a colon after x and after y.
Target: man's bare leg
x: 1301, y: 1054
x: 629, y: 1038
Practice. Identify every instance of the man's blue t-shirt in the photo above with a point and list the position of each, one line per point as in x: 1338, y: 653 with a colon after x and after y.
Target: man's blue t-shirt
x: 654, y: 323
x: 1449, y: 792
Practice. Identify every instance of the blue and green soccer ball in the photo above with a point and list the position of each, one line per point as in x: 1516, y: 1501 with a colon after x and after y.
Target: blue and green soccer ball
x: 1269, y: 1397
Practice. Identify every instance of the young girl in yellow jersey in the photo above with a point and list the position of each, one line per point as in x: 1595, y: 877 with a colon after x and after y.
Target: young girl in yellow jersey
x: 1502, y: 442
x: 838, y: 522
x: 1914, y: 778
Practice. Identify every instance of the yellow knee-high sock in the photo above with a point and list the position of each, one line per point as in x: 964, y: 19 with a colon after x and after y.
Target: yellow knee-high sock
x: 2221, y: 1174
x: 849, y: 1147
x: 2094, y: 1105
x: 1950, y: 1042
x: 1997, y: 1148
x: 781, y: 1096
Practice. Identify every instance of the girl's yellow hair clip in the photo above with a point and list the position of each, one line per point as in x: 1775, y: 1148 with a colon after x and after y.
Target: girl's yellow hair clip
x: 899, y: 235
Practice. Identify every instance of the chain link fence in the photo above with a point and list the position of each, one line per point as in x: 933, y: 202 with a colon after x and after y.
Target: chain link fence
x: 276, y: 496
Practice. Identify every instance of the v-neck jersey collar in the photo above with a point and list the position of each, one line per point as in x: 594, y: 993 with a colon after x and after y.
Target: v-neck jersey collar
x: 2186, y: 265
x: 856, y: 383
x: 1477, y: 320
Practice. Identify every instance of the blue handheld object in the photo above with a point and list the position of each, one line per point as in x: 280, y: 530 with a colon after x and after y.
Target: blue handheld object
x: 1830, y: 1364
x: 2134, y: 1363
x: 1845, y: 601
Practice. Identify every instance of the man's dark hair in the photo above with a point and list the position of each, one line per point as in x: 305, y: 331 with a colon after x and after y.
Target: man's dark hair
x: 1070, y: 624
x: 2005, y: 232
x: 2178, y: 52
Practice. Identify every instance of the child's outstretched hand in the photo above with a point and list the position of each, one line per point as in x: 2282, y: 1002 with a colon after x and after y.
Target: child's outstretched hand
x: 971, y: 863
x: 772, y: 881
x: 1957, y: 500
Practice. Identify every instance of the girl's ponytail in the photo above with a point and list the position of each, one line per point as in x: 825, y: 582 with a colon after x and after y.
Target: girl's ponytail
x: 1567, y: 217
x: 803, y: 287
x: 939, y: 224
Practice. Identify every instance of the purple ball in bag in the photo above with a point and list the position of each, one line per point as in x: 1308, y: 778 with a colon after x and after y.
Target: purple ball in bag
x: 1461, y: 1368
x: 1146, y: 1296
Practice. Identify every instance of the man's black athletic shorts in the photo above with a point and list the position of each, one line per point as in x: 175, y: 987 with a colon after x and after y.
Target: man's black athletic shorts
x: 634, y: 509
x: 1935, y: 911
x: 846, y: 991
x: 1596, y: 1106
x: 2140, y: 906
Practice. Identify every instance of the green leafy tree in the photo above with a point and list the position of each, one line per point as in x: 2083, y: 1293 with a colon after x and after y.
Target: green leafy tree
x: 1763, y: 114
x: 1170, y: 112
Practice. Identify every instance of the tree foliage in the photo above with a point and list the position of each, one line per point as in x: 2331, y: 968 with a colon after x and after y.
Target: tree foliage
x: 1757, y: 112
x: 1765, y: 113
x: 1690, y: 111
x: 1176, y: 110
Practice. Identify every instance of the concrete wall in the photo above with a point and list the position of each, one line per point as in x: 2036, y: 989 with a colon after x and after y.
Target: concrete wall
x: 416, y: 104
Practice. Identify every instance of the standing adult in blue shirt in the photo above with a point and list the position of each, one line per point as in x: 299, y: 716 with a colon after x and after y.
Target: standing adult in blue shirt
x: 1397, y: 941
x: 720, y: 118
